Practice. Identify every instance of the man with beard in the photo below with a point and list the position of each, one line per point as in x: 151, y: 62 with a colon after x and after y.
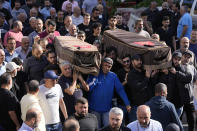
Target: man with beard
x: 143, y: 122
x: 50, y: 33
x: 112, y: 23
x: 95, y: 17
x: 64, y: 30
x: 10, y: 51
x: 87, y: 121
x: 138, y: 85
x: 193, y: 42
x: 184, y: 46
x: 115, y: 121
x: 120, y: 24
x: 166, y: 34
x: 32, y: 120
x: 139, y: 29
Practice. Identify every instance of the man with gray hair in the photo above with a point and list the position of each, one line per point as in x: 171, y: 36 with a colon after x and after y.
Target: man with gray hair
x: 70, y: 87
x: 24, y: 49
x: 30, y: 27
x: 115, y: 121
x: 2, y: 62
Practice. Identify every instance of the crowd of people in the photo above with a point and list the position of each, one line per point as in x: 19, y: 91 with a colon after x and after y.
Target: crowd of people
x: 37, y: 93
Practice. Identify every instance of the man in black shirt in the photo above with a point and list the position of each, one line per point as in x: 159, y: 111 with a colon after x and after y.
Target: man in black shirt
x: 96, y: 34
x: 87, y: 121
x: 166, y: 33
x: 112, y: 21
x: 85, y: 26
x: 115, y: 121
x: 120, y: 25
x: 10, y: 107
x: 64, y: 30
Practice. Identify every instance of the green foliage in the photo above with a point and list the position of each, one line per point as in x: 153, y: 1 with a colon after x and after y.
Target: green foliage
x: 146, y: 3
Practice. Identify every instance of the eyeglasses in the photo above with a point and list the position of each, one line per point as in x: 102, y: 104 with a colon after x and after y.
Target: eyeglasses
x: 127, y: 61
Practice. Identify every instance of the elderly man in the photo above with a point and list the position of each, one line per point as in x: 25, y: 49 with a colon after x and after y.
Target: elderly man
x: 87, y: 121
x: 51, y: 98
x: 184, y: 46
x: 67, y: 22
x: 70, y: 87
x: 30, y: 100
x: 144, y: 122
x: 15, y: 33
x: 163, y: 110
x: 72, y: 30
x: 2, y: 62
x: 10, y: 52
x: 115, y: 121
x: 32, y: 120
x: 39, y: 29
x: 24, y: 49
x: 105, y: 83
x: 76, y: 17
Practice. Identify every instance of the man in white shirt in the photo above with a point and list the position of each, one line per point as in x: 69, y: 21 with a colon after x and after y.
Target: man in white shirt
x: 51, y: 98
x: 143, y: 122
x: 31, y: 121
x: 30, y: 100
x: 76, y: 17
x: 139, y: 29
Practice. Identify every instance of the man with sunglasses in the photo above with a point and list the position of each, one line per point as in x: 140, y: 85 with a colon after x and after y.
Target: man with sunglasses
x: 101, y: 92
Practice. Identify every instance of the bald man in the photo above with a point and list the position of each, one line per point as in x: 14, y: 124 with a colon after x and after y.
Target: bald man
x: 144, y: 122
x: 163, y: 110
x: 71, y: 125
x: 76, y: 17
x: 184, y: 46
x: 2, y: 62
x: 32, y: 120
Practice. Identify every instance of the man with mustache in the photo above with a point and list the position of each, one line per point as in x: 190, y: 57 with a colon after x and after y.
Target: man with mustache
x: 87, y: 121
x: 143, y: 122
x: 138, y: 85
x: 184, y: 46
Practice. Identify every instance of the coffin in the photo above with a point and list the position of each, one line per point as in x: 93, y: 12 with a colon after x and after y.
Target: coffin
x: 84, y: 57
x: 154, y: 54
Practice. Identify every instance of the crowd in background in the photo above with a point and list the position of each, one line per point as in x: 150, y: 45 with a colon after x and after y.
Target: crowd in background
x: 39, y: 93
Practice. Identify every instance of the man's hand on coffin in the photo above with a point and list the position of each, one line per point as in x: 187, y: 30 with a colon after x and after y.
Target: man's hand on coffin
x: 128, y: 108
x: 148, y: 73
x: 75, y: 75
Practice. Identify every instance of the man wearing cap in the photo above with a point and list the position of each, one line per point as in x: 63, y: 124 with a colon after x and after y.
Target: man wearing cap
x: 51, y: 98
x: 138, y: 85
x: 101, y: 92
x: 2, y: 62
x: 11, y: 68
x: 184, y: 46
x: 185, y: 78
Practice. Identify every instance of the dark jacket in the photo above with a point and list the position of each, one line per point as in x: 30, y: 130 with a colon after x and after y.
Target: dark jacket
x: 138, y: 87
x: 163, y: 111
x: 185, y: 76
x: 122, y: 128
